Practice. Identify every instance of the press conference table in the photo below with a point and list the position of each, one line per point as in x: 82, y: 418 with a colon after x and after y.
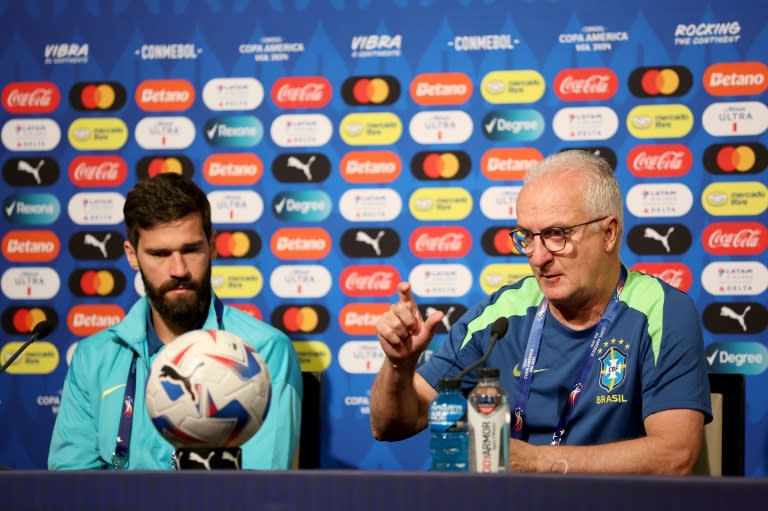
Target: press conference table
x: 372, y: 491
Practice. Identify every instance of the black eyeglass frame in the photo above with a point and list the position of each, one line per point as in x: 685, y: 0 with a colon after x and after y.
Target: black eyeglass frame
x: 545, y: 233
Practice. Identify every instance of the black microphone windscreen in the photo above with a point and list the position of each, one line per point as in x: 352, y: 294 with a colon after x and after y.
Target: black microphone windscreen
x: 42, y: 329
x: 499, y: 327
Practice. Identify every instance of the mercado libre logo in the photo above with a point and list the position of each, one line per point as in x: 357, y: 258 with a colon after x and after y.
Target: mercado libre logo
x: 735, y: 159
x: 21, y: 320
x: 96, y: 282
x: 370, y: 90
x: 668, y: 81
x: 31, y: 171
x: 95, y: 96
x: 150, y: 166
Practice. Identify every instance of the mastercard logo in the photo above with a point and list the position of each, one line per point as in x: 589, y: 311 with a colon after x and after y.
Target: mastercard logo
x: 451, y: 165
x: 747, y: 157
x: 150, y: 166
x: 21, y: 320
x: 105, y: 96
x: 91, y: 282
x: 237, y: 244
x: 370, y: 90
x: 301, y: 319
x: 651, y: 82
x: 496, y: 241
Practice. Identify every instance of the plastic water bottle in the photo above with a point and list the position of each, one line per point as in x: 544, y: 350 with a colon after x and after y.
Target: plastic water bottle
x: 449, y: 443
x: 488, y: 417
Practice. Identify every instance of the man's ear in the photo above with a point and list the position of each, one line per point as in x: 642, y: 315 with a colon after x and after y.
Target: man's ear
x: 130, y: 254
x: 212, y: 243
x: 612, y: 234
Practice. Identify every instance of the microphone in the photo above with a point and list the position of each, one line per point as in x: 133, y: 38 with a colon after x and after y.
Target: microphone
x: 498, y: 329
x: 40, y: 331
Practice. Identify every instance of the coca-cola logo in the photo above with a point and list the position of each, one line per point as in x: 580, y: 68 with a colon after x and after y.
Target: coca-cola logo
x: 735, y: 238
x: 440, y: 242
x: 302, y: 92
x: 662, y: 160
x: 31, y: 97
x: 675, y: 274
x: 102, y: 171
x: 369, y: 280
x: 588, y: 84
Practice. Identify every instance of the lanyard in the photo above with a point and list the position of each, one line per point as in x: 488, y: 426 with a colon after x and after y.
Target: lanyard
x: 529, y: 362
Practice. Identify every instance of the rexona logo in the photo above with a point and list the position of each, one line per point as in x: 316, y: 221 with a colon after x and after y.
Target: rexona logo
x: 586, y: 84
x: 509, y: 164
x: 301, y: 130
x: 42, y: 357
x: 84, y: 320
x: 21, y: 320
x: 30, y: 246
x: 301, y: 319
x: 233, y: 169
x: 150, y: 166
x: 30, y: 171
x: 660, y: 160
x: 30, y: 283
x: 31, y: 208
x: 302, y: 92
x: 96, y: 282
x: 659, y: 199
x: 655, y: 239
x: 735, y: 318
x: 295, y: 243
x: 742, y: 158
x: 242, y: 281
x: 603, y: 152
x: 585, y: 123
x: 233, y: 131
x: 451, y: 313
x: 106, y: 171
x: 736, y: 78
x: 440, y: 204
x: 449, y: 166
x: 376, y: 280
x: 660, y: 121
x: 359, y: 167
x: 742, y: 198
x: 739, y: 357
x: 96, y: 245
x: 652, y: 82
x: 440, y: 242
x: 370, y: 242
x: 103, y: 97
x: 165, y: 95
x: 97, y: 133
x: 441, y: 127
x: 300, y: 281
x: 504, y: 87
x: 302, y: 206
x: 237, y: 244
x: 431, y: 89
x: 498, y: 202
x: 735, y: 119
x: 735, y: 238
x: 370, y: 205
x: 165, y: 132
x: 96, y: 208
x: 383, y: 128
x: 496, y: 241
x: 494, y: 276
x: 735, y: 278
x: 30, y: 134
x: 361, y: 318
x: 301, y: 168
x: 513, y: 125
x: 675, y: 274
x: 31, y: 97
x: 449, y: 280
x: 233, y: 94
x: 370, y: 90
x: 236, y: 206
x: 314, y: 356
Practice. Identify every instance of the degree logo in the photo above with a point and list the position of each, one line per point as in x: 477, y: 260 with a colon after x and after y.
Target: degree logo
x: 743, y: 158
x: 302, y: 206
x: 96, y: 245
x: 370, y: 90
x: 504, y: 87
x: 440, y: 204
x: 32, y: 208
x: 383, y: 128
x: 97, y: 133
x: 675, y: 274
x: 449, y: 280
x: 101, y: 171
x: 233, y: 131
x: 736, y: 78
x: 237, y: 244
x: 30, y: 171
x: 659, y: 239
x: 236, y: 281
x: 233, y: 169
x: 449, y: 165
x: 430, y: 89
x: 96, y: 282
x: 301, y: 319
x: 302, y: 92
x: 370, y: 167
x: 496, y: 275
x: 31, y: 97
x: 21, y: 320
x: 509, y: 164
x: 165, y: 95
x: 513, y: 125
x: 87, y: 319
x: 740, y: 357
x: 370, y: 242
x: 30, y: 246
x: 496, y: 241
x: 668, y: 81
x: 150, y: 166
x: 301, y: 243
x: 301, y: 168
x: 361, y: 318
x: 90, y: 96
x: 660, y: 121
x: 440, y: 242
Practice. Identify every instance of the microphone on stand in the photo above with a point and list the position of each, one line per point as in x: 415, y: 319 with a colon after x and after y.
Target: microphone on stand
x: 498, y: 329
x: 40, y: 331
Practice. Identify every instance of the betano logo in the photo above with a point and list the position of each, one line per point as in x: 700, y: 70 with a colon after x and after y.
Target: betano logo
x: 236, y: 281
x: 361, y: 318
x: 675, y: 274
x: 302, y: 92
x: 735, y: 119
x: 523, y: 125
x: 301, y: 243
x: 87, y: 319
x: 98, y: 171
x: 370, y: 204
x: 301, y: 130
x: 431, y: 166
x: 736, y: 78
x: 441, y: 127
x: 221, y: 94
x: 432, y: 89
x: 30, y: 134
x: 304, y: 319
x: 31, y: 97
x: 735, y: 238
x: 176, y: 132
x: 233, y: 169
x: 668, y: 81
x: 97, y: 133
x: 747, y: 198
x: 96, y: 282
x: 586, y: 84
x: 499, y: 202
x: 363, y: 167
x: 41, y: 357
x: 314, y: 356
x: 150, y: 166
x: 743, y: 158
x: 445, y: 280
x: 30, y: 246
x: 493, y: 276
x: 234, y: 131
x: 370, y: 90
x: 21, y: 320
x: 509, y: 164
x: 382, y: 128
x: 31, y: 208
x: 660, y: 121
x: 103, y: 97
x: 165, y: 95
x: 440, y: 204
x: 440, y: 242
x: 660, y: 160
x: 504, y: 87
x: 237, y: 244
x: 300, y: 281
x: 236, y: 206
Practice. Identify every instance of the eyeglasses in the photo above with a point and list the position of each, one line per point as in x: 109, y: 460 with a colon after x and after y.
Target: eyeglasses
x: 553, y: 238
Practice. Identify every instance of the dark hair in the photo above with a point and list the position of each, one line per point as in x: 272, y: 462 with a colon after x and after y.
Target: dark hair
x: 161, y: 199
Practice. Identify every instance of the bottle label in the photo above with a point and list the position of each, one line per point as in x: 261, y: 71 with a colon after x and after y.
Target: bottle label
x: 489, y: 438
x: 446, y: 416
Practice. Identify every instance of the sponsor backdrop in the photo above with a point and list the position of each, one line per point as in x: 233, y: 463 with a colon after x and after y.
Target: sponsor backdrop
x: 346, y: 146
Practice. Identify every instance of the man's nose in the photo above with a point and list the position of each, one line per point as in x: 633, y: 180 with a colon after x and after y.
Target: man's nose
x: 178, y: 265
x: 540, y: 255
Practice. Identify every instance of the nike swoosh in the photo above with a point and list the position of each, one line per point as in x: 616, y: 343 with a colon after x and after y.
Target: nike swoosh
x: 280, y: 205
x: 516, y: 371
x: 106, y: 392
x: 711, y: 358
x: 9, y: 208
x: 212, y: 131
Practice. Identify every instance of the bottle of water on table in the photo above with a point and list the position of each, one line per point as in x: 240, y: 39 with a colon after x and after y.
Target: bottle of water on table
x: 488, y: 420
x: 449, y: 442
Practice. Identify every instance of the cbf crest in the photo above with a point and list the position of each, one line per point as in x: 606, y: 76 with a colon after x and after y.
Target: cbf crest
x: 613, y: 368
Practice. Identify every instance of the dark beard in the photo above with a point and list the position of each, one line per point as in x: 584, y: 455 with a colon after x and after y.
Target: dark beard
x: 188, y: 313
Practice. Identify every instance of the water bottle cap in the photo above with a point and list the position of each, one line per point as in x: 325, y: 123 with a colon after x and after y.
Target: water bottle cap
x: 488, y: 372
x: 448, y: 383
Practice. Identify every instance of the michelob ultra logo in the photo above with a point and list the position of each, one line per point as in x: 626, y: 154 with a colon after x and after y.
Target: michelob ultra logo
x: 742, y: 158
x: 90, y: 96
x: 30, y: 283
x: 30, y: 246
x: 736, y: 78
x: 383, y: 128
x: 302, y: 206
x: 660, y: 121
x: 165, y: 95
x: 300, y: 281
x: 735, y: 198
x: 176, y: 132
x: 233, y: 131
x: 441, y: 204
x: 40, y: 357
x: 522, y: 125
x: 314, y: 356
x: 440, y: 127
x: 498, y: 202
x: 504, y: 87
x: 740, y: 357
x: 31, y: 97
x: 236, y: 281
x: 97, y: 133
x: 509, y: 164
x: 430, y: 89
x: 496, y: 275
x: 735, y: 119
x: 361, y: 357
x: 31, y: 208
x: 235, y: 206
x: 370, y: 166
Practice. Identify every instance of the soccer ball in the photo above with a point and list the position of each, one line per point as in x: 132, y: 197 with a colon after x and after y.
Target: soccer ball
x: 208, y: 388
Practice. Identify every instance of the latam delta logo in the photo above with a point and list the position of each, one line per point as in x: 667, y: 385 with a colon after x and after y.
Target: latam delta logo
x: 675, y: 274
x: 302, y: 92
x: 735, y: 118
x: 301, y: 168
x: 150, y: 166
x: 446, y: 166
x: 376, y: 242
x: 31, y: 208
x: 509, y: 164
x: 433, y: 89
x: 384, y: 128
x: 97, y: 133
x: 447, y: 280
x: 735, y: 278
x: 21, y: 320
x: 302, y: 206
x: 440, y: 242
x: 31, y: 97
x: 441, y: 127
x: 96, y: 208
x: 660, y: 160
x: 586, y: 84
x: 236, y: 206
x: 741, y: 158
x: 666, y: 81
x: 659, y: 200
x: 221, y: 94
x: 84, y: 320
x: 370, y: 167
x: 30, y: 283
x: 107, y: 171
x: 233, y: 169
x: 30, y: 246
x: 524, y: 125
x: 301, y: 243
x: 736, y: 78
x: 585, y: 123
x: 370, y: 90
x: 300, y: 281
x: 369, y: 280
x: 165, y: 95
x: 30, y: 134
x: 99, y: 282
x: 520, y: 86
x: 301, y: 130
x: 735, y: 238
x: 242, y: 244
x: 370, y: 204
x: 301, y: 319
x: 97, y: 96
x: 30, y: 171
